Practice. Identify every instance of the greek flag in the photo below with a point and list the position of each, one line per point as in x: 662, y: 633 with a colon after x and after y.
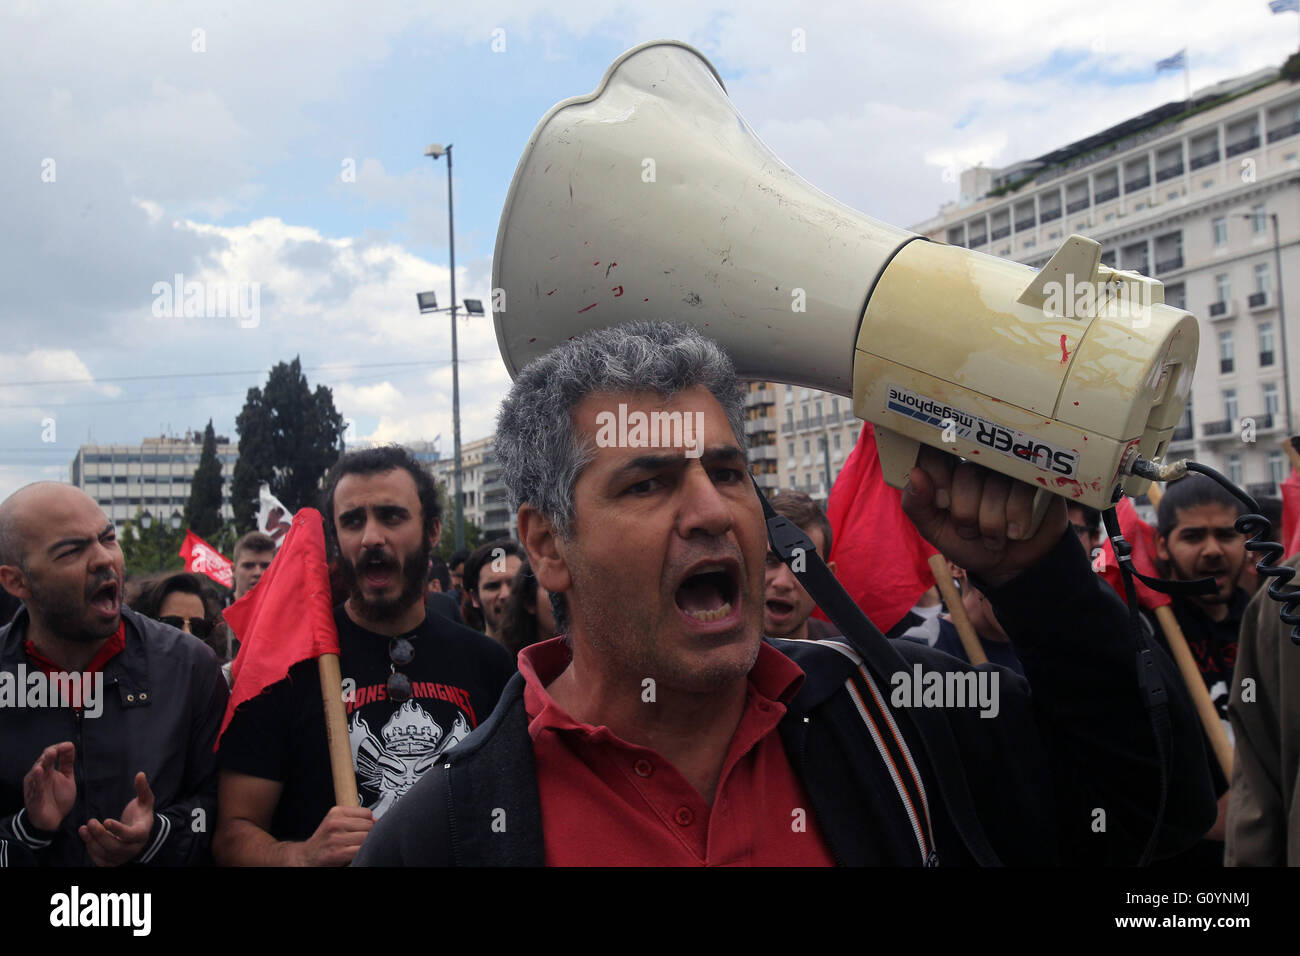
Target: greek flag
x: 1179, y: 59
x: 1284, y: 6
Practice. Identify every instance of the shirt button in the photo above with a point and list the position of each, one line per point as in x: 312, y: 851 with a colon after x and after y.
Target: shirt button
x: 130, y: 698
x: 684, y: 816
x: 643, y: 767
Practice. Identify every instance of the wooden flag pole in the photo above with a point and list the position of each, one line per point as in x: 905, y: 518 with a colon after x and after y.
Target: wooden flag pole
x: 1192, y: 678
x: 336, y: 732
x: 960, y: 619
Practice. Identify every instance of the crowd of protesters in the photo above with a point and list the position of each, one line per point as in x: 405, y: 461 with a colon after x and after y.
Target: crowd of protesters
x: 605, y: 735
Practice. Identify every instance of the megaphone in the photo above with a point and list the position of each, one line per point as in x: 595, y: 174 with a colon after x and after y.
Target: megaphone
x: 652, y: 198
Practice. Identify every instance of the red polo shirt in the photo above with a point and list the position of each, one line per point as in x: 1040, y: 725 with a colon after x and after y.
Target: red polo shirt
x: 607, y: 802
x: 115, y: 644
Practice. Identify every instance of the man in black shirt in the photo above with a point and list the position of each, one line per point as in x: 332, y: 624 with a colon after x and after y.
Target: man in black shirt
x: 1196, y: 538
x: 414, y: 685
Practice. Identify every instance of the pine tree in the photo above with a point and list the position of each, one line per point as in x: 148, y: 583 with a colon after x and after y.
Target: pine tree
x: 203, y: 510
x: 289, y: 436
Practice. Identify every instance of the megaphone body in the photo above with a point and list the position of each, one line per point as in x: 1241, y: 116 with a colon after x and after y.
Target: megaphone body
x: 652, y: 198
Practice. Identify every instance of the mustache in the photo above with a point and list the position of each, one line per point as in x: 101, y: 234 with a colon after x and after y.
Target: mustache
x: 105, y: 577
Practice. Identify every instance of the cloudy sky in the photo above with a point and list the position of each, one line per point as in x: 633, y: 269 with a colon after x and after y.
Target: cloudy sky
x: 282, y: 144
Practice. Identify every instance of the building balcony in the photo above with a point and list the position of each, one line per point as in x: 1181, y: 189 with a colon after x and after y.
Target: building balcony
x: 815, y: 422
x: 1258, y: 300
x: 1220, y: 310
x: 763, y: 453
x: 833, y: 418
x: 1282, y: 132
x: 977, y: 241
x: 1205, y: 159
x: 787, y: 428
x: 1001, y: 233
x: 1106, y: 195
x: 1262, y: 489
x: 1242, y: 146
x: 1024, y: 225
x: 1170, y: 264
x: 1047, y: 215
x: 1133, y: 185
x: 1266, y: 422
x: 1182, y: 433
x: 1169, y: 172
x: 762, y: 396
x: 1219, y: 429
x: 755, y: 426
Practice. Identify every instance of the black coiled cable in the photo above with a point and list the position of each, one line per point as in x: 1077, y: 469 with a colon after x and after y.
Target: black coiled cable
x: 1254, y: 523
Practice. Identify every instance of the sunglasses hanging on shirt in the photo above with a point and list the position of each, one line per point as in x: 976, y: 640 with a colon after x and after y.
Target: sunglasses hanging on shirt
x: 400, y: 652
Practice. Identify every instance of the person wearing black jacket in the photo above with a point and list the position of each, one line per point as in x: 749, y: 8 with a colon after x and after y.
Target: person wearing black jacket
x: 663, y: 694
x: 122, y: 769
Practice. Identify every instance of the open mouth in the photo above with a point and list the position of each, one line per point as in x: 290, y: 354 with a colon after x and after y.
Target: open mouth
x: 779, y: 608
x: 378, y: 572
x: 104, y: 599
x: 709, y: 591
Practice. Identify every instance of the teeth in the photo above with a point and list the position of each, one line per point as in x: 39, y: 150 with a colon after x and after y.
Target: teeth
x: 715, y: 615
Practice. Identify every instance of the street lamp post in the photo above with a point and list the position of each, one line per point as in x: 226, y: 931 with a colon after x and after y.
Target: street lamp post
x: 436, y: 150
x: 146, y: 521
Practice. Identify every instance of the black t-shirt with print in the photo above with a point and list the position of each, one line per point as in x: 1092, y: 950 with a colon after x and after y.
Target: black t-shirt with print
x: 456, y: 675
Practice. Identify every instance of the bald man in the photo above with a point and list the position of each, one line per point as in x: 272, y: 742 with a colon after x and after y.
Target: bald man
x: 107, y: 719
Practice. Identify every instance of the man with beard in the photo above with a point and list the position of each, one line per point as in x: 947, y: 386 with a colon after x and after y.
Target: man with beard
x: 107, y: 718
x: 415, y: 684
x: 488, y: 574
x: 1196, y: 538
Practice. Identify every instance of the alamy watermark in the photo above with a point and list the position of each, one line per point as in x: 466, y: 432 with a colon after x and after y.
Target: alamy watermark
x: 922, y: 688
x: 208, y: 300
x: 23, y: 688
x: 651, y: 430
x: 1086, y: 299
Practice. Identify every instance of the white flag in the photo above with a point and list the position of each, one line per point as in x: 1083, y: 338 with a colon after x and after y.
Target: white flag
x: 273, y: 518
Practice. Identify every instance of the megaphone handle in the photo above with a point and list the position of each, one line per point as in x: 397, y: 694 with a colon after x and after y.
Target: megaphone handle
x: 898, y: 455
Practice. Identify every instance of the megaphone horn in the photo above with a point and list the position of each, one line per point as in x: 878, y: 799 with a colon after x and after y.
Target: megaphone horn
x: 652, y: 198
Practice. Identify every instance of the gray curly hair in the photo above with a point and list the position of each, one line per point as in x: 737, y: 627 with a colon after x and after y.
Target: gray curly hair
x: 540, y: 452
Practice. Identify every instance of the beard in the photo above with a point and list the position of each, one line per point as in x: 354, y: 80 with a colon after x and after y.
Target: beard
x: 1181, y: 573
x: 68, y: 618
x: 412, y: 573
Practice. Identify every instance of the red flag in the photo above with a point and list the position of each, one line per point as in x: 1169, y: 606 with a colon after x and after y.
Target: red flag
x: 1291, y: 514
x: 1142, y: 539
x: 880, y: 557
x: 202, y: 558
x: 287, y: 618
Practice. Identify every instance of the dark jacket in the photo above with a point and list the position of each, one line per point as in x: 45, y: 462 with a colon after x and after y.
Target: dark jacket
x: 1065, y: 774
x: 163, y: 701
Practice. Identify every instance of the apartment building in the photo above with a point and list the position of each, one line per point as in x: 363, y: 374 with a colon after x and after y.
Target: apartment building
x: 153, y: 476
x: 798, y: 437
x: 483, y: 493
x: 1188, y: 193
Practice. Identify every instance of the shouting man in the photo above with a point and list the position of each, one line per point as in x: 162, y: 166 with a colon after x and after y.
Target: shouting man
x: 112, y: 763
x: 420, y: 683
x: 663, y: 728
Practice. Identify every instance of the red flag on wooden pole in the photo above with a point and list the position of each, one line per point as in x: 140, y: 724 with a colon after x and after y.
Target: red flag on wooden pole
x: 880, y: 557
x: 288, y: 617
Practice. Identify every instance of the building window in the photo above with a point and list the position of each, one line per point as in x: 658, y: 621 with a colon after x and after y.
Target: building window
x: 1257, y: 219
x: 1230, y: 406
x: 807, y: 447
x: 1234, y: 469
x: 1277, y: 467
x: 837, y: 441
x: 789, y: 450
x: 1262, y: 278
x: 1220, y: 227
x: 1265, y: 344
x: 1271, y: 404
x: 1224, y: 287
x: 818, y: 411
x: 1226, y: 355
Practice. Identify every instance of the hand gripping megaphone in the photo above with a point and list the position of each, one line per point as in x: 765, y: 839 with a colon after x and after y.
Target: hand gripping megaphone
x: 652, y: 198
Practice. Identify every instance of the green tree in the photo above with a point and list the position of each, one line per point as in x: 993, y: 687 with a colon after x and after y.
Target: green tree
x: 142, y: 547
x: 203, y: 510
x: 447, y: 540
x: 289, y: 436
